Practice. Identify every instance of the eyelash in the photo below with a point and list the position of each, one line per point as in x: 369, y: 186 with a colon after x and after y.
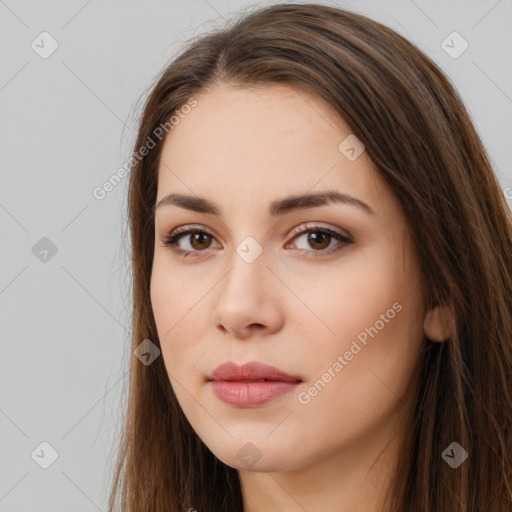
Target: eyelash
x: 173, y: 238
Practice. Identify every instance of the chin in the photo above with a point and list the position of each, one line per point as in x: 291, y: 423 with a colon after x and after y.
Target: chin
x: 256, y: 455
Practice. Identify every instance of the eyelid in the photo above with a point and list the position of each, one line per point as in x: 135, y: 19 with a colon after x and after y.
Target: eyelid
x: 318, y: 225
x: 298, y: 229
x: 172, y: 239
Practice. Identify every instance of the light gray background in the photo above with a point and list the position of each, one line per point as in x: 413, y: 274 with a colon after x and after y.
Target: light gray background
x: 67, y: 124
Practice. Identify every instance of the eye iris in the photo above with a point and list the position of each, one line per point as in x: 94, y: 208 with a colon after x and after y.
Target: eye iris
x: 201, y: 236
x: 319, y: 237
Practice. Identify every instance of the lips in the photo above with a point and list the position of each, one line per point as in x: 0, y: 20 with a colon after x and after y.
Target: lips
x: 250, y: 385
x: 251, y: 372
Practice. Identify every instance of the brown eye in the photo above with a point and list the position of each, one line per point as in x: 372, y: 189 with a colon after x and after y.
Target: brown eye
x: 319, y: 239
x: 200, y: 240
x: 196, y: 241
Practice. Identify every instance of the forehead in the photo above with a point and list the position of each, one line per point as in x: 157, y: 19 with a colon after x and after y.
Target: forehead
x: 263, y: 142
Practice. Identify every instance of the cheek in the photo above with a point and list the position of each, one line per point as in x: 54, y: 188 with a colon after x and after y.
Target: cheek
x: 169, y: 300
x: 377, y: 378
x: 361, y: 391
x: 372, y: 310
x: 347, y: 299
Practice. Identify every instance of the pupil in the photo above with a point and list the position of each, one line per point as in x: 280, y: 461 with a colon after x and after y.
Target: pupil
x: 319, y: 238
x: 197, y: 238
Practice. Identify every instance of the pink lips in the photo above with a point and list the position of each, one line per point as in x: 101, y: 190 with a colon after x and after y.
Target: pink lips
x: 251, y: 384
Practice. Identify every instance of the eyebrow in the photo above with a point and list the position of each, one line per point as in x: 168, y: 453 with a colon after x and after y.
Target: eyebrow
x: 277, y: 208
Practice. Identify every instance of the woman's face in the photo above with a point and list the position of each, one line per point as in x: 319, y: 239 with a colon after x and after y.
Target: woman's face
x: 338, y: 308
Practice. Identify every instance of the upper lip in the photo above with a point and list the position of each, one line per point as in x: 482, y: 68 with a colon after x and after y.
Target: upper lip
x: 251, y: 371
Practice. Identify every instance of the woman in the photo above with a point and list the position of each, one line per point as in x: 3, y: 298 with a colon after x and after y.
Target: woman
x: 322, y: 257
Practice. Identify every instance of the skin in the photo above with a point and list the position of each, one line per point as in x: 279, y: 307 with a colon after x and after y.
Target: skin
x: 243, y: 148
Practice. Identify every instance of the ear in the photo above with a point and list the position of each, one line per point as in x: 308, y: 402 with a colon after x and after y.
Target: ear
x: 439, y: 324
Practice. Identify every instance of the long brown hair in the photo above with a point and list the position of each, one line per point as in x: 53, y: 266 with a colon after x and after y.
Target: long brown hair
x: 419, y: 135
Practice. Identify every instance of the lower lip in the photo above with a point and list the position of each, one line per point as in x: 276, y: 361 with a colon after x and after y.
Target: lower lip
x: 250, y: 394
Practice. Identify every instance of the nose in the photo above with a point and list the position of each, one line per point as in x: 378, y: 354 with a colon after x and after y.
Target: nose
x: 248, y: 300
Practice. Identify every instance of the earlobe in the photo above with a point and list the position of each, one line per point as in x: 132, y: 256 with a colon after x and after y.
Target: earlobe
x: 439, y: 324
